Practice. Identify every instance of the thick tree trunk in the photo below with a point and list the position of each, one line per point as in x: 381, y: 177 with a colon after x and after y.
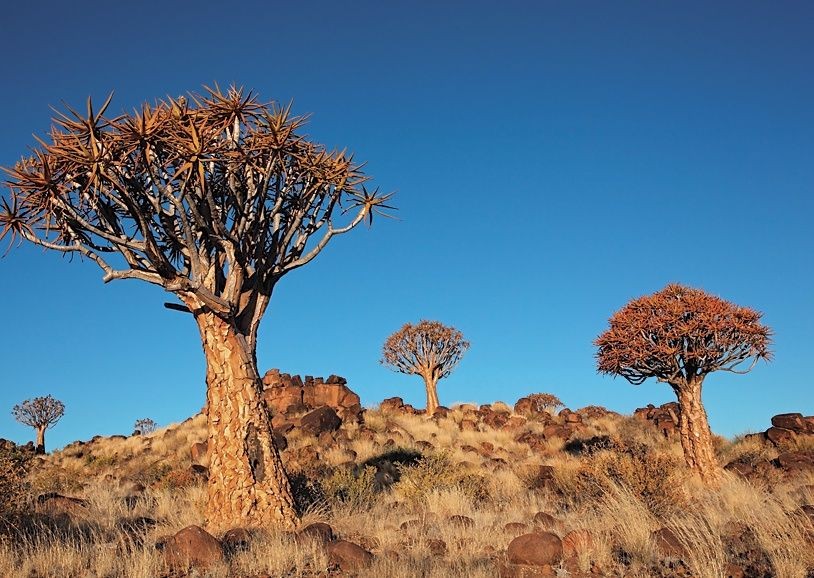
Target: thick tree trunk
x: 40, y: 449
x: 696, y: 437
x: 248, y: 486
x: 432, y: 394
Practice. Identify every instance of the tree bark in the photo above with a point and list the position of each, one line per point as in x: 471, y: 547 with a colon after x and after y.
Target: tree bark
x: 432, y: 395
x: 696, y: 437
x: 40, y: 449
x: 248, y: 486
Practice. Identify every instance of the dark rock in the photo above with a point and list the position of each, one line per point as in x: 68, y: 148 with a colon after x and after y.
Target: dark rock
x: 319, y: 532
x: 348, y: 556
x: 323, y: 419
x: 668, y: 543
x: 535, y: 549
x: 794, y: 422
x: 200, y: 453
x: 193, y: 546
x: 461, y: 521
x: 236, y: 540
x: 780, y: 436
x: 546, y: 521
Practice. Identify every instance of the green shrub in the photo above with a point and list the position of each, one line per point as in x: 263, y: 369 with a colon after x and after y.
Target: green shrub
x: 436, y: 472
x: 355, y: 490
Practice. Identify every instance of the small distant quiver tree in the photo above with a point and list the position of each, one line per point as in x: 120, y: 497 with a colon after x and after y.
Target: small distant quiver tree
x: 145, y: 426
x: 679, y: 335
x: 41, y: 413
x: 214, y: 198
x: 429, y: 349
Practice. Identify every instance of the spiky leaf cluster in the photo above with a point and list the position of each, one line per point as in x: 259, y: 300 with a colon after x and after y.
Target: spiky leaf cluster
x: 679, y: 334
x: 428, y: 348
x: 213, y: 197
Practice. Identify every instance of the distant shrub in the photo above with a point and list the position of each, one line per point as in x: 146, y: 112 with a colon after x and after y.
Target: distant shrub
x: 544, y: 402
x: 436, y: 472
x: 355, y: 490
x: 100, y: 462
x: 152, y: 473
x: 179, y: 478
x: 14, y: 487
x: 144, y: 426
x: 652, y: 476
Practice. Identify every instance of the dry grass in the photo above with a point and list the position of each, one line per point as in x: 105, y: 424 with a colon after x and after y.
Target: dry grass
x: 610, y: 493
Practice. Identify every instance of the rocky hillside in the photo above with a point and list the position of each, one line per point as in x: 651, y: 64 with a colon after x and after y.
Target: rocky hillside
x: 488, y: 490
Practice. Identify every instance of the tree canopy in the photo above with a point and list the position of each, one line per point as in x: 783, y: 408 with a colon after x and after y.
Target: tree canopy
x: 215, y: 196
x: 39, y: 412
x: 680, y: 333
x: 429, y: 348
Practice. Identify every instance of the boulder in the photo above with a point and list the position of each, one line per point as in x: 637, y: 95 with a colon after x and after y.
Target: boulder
x: 796, y: 461
x: 461, y: 521
x: 318, y: 532
x: 391, y: 405
x: 323, y: 419
x: 780, y: 436
x: 535, y: 549
x: 515, y: 528
x: 193, y: 546
x: 236, y: 540
x: 794, y: 422
x: 200, y: 454
x: 667, y: 543
x: 545, y: 520
x: 348, y: 556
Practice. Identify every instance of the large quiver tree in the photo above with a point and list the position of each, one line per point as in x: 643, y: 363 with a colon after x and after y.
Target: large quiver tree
x: 679, y: 335
x: 214, y: 198
x: 429, y: 349
x: 41, y: 413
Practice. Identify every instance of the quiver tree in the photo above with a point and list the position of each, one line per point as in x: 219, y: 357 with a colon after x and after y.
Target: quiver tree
x: 429, y: 349
x: 144, y: 426
x: 215, y: 199
x: 679, y: 335
x: 41, y: 413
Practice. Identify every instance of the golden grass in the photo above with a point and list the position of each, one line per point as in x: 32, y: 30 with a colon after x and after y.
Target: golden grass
x: 619, y: 513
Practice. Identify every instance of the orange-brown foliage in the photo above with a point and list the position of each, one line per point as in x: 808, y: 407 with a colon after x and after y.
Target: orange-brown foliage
x: 428, y: 348
x: 679, y: 333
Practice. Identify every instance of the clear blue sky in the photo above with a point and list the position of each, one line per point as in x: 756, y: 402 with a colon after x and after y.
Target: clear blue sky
x: 551, y: 160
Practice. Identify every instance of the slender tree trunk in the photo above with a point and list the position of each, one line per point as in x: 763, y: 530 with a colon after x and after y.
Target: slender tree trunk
x: 40, y: 449
x: 432, y: 394
x: 248, y: 486
x: 696, y: 437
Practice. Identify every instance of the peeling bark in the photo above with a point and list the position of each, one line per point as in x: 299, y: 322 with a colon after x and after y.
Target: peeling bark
x: 248, y: 486
x: 696, y: 437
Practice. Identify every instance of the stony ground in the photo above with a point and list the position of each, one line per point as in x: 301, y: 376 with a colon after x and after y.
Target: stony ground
x: 472, y: 491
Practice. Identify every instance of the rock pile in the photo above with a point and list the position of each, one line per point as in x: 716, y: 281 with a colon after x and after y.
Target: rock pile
x: 788, y: 428
x: 290, y: 395
x: 664, y: 417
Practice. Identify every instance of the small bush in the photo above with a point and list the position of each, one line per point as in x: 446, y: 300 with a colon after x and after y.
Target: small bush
x: 14, y: 487
x: 355, y: 490
x: 653, y: 477
x: 436, y: 472
x: 178, y: 479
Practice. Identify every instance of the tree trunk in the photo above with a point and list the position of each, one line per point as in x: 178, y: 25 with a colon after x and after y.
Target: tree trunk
x: 40, y: 449
x: 432, y: 395
x: 696, y: 437
x: 248, y: 486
